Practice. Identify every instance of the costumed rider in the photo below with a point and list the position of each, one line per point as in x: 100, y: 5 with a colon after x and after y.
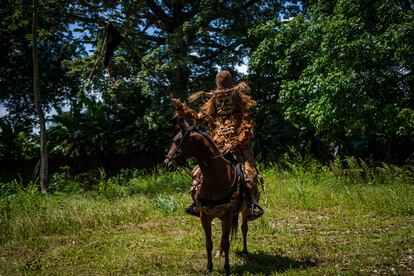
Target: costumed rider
x: 227, y: 115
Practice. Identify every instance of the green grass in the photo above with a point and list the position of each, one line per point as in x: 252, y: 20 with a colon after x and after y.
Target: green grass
x: 346, y: 218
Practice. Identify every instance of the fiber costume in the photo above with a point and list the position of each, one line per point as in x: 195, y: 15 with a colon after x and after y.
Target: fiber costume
x: 227, y: 115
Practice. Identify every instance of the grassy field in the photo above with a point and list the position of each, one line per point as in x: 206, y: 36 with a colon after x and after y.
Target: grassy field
x: 319, y: 220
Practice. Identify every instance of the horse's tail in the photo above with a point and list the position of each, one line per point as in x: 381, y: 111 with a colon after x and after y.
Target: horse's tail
x: 234, y: 226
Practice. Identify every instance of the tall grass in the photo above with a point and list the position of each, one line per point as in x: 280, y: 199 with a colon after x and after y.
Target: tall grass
x: 351, y: 184
x: 308, y: 206
x: 131, y: 196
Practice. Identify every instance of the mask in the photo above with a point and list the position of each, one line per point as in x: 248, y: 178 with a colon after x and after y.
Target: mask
x: 225, y: 104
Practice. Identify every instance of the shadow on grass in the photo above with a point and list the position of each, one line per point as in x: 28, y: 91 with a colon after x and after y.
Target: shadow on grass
x: 266, y: 263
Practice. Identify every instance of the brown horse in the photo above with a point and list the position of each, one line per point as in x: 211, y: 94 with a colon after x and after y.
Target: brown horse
x: 220, y: 193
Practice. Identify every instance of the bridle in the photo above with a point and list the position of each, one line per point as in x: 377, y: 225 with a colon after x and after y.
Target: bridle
x: 178, y: 149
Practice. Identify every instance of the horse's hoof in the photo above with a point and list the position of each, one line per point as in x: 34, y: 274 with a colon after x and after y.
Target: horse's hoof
x: 219, y: 254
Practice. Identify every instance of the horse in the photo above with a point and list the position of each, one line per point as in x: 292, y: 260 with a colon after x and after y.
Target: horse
x: 220, y: 194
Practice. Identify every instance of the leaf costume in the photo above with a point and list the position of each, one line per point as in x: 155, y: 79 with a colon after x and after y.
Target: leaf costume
x: 227, y: 115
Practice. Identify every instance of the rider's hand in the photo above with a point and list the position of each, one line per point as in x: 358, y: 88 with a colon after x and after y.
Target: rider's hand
x: 226, y: 149
x: 175, y: 103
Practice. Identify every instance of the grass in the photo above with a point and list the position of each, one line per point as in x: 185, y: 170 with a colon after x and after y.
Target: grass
x: 345, y: 218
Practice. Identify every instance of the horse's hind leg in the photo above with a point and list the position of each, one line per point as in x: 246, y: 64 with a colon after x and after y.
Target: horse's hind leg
x: 206, y: 222
x: 244, y: 228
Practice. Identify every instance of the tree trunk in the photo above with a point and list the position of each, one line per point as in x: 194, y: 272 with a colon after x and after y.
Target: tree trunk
x: 179, y: 83
x: 43, y: 172
x: 179, y: 76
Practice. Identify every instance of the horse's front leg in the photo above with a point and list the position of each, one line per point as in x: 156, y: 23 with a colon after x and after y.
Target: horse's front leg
x: 244, y: 228
x: 225, y: 241
x: 206, y: 222
x: 220, y: 252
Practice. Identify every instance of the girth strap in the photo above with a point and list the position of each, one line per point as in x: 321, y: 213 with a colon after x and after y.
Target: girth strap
x: 214, y: 203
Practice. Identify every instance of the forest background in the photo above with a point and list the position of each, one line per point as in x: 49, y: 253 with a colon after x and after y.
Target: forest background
x: 334, y: 136
x: 330, y: 78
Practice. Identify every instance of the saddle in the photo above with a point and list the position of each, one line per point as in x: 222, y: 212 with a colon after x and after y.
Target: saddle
x: 237, y: 188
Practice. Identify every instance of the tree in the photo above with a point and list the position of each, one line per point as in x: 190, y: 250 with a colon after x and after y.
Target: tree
x: 181, y: 45
x: 55, y: 44
x: 182, y: 42
x: 172, y: 48
x: 85, y: 132
x: 43, y: 168
x: 16, y: 143
x: 345, y: 71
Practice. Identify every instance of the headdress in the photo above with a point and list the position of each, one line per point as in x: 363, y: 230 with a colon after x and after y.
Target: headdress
x: 224, y: 85
x: 224, y: 80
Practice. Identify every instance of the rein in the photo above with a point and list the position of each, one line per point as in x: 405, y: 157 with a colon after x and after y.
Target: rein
x: 178, y: 149
x: 236, y: 168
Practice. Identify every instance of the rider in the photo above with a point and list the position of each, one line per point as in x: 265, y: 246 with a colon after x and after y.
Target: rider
x: 227, y: 114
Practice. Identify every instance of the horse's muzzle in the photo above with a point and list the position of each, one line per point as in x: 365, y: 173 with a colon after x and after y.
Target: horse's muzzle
x: 169, y: 164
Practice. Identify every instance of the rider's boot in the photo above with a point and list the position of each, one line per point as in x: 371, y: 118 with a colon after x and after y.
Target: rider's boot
x: 255, y: 211
x: 193, y: 210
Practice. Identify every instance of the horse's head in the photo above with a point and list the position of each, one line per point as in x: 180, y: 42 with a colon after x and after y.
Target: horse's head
x: 180, y: 149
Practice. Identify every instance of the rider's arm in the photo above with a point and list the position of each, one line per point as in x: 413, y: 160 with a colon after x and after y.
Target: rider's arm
x: 183, y: 111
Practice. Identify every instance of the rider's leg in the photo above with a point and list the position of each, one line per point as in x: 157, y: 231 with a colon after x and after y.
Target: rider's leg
x: 195, y: 185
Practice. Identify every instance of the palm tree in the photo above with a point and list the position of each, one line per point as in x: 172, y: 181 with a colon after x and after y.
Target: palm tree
x: 84, y: 132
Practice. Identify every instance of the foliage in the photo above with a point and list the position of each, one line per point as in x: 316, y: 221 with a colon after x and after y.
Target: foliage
x: 62, y: 182
x: 166, y: 202
x: 345, y: 70
x: 82, y: 130
x: 16, y: 68
x: 321, y: 72
x: 16, y: 143
x: 171, y: 49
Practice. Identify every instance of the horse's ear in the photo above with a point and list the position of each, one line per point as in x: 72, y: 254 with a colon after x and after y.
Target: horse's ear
x: 183, y: 124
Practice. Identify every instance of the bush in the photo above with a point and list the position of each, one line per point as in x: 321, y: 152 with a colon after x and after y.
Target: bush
x: 63, y: 182
x: 167, y: 203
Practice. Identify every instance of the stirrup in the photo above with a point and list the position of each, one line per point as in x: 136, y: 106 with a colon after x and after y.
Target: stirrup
x: 192, y: 210
x: 255, y: 211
